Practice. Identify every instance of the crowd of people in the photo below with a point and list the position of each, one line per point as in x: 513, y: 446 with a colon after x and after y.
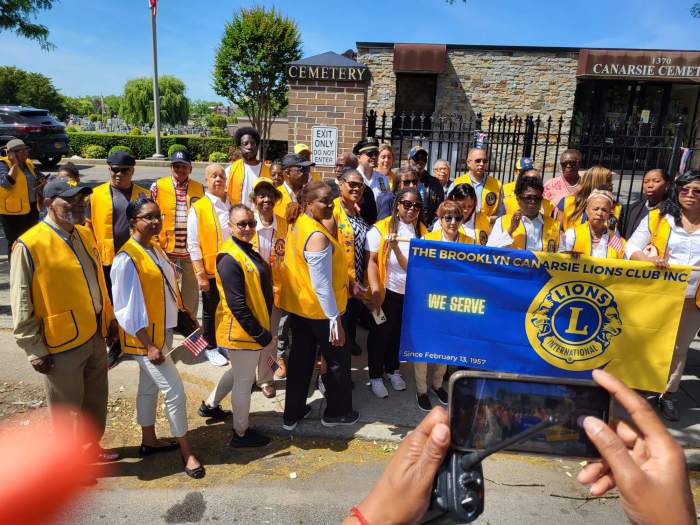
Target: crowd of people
x: 287, y: 267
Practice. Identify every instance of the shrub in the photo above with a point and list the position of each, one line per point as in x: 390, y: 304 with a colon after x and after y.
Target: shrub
x: 176, y: 147
x: 93, y: 151
x: 134, y: 131
x: 218, y: 156
x: 114, y: 149
x: 72, y: 129
x: 92, y: 117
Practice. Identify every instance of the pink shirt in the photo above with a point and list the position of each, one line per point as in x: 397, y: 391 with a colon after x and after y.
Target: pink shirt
x: 557, y: 188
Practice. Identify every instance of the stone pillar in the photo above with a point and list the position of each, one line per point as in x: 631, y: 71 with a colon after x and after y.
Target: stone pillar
x: 324, y: 95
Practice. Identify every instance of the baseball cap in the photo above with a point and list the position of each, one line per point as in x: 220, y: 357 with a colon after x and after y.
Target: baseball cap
x: 292, y: 159
x: 415, y: 150
x: 60, y: 187
x: 524, y: 163
x: 15, y: 144
x: 121, y: 158
x: 180, y: 157
x: 301, y: 147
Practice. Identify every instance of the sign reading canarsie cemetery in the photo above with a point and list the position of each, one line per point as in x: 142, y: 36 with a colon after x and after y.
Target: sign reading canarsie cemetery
x: 337, y: 73
x: 648, y: 65
x: 324, y: 145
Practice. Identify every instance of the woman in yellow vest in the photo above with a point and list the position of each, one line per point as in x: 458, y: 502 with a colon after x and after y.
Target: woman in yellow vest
x: 244, y: 280
x: 386, y: 272
x: 351, y: 232
x: 450, y: 218
x: 571, y: 210
x: 476, y: 225
x: 526, y: 228
x: 594, y: 237
x: 315, y: 293
x: 146, y: 304
x: 671, y: 235
x: 510, y: 199
x: 385, y: 161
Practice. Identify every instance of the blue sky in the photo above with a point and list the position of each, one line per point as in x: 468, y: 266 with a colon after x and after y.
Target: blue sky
x: 102, y: 43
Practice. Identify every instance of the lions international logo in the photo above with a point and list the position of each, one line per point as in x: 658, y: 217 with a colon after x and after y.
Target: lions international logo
x: 279, y: 247
x: 551, y: 247
x: 572, y: 326
x: 490, y: 198
x: 483, y: 238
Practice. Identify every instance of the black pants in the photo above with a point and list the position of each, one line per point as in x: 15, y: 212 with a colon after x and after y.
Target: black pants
x: 210, y: 300
x: 356, y: 308
x: 108, y: 281
x: 15, y: 225
x: 307, y: 334
x: 383, y: 339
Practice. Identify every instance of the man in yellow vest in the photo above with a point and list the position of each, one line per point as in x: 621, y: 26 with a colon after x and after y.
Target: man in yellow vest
x: 61, y: 312
x: 489, y: 195
x: 305, y: 151
x: 295, y: 170
x: 242, y: 174
x: 20, y: 183
x: 175, y: 195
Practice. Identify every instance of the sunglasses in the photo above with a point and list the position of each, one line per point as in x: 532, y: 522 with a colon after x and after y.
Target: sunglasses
x: 120, y: 169
x: 409, y: 182
x: 689, y: 191
x: 410, y: 205
x: 150, y: 217
x: 570, y: 163
x: 479, y: 161
x: 354, y: 185
x: 530, y: 198
x: 453, y: 218
x: 242, y: 225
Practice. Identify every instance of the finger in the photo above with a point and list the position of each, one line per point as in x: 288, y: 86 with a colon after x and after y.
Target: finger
x: 421, y: 433
x: 611, y: 449
x: 603, y: 485
x: 434, y: 451
x: 626, y: 433
x: 592, y: 472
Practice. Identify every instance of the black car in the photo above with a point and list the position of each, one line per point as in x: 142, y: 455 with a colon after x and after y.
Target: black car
x: 45, y: 136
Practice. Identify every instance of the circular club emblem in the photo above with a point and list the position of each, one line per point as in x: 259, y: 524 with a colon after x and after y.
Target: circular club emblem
x: 483, y: 238
x: 279, y: 247
x: 551, y: 247
x: 490, y: 198
x: 612, y: 222
x: 571, y: 325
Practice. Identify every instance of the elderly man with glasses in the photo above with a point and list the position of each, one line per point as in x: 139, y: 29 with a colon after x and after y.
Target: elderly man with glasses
x: 489, y: 194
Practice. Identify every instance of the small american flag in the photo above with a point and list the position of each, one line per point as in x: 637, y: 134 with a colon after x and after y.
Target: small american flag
x: 272, y: 363
x: 615, y: 242
x: 195, y: 343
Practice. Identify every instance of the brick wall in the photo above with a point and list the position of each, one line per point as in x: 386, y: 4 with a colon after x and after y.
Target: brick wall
x: 340, y: 104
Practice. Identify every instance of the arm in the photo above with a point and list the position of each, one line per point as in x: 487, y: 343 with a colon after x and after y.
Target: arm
x: 400, y: 257
x: 154, y: 191
x: 318, y: 254
x: 500, y: 238
x: 194, y: 250
x: 373, y: 280
x: 232, y: 276
x: 640, y: 239
x: 127, y: 295
x: 566, y: 245
x: 7, y: 179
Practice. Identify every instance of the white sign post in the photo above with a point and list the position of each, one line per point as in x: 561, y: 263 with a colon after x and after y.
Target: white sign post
x: 324, y: 145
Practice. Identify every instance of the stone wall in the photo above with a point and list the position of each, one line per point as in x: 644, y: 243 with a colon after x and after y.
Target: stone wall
x: 323, y: 103
x: 382, y: 87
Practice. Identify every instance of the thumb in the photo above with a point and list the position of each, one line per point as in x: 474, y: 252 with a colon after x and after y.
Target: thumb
x: 434, y: 450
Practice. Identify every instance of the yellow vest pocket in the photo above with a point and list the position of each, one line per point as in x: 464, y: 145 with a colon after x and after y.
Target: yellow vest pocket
x: 60, y: 329
x: 13, y: 204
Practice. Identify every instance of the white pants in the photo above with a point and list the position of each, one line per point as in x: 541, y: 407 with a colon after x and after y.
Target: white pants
x: 238, y: 380
x: 687, y: 328
x: 421, y: 372
x: 164, y: 378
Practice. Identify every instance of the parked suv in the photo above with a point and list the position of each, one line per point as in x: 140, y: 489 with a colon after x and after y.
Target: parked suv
x: 45, y: 136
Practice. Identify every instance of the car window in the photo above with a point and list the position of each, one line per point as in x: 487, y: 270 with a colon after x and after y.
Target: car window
x: 37, y: 117
x: 7, y: 119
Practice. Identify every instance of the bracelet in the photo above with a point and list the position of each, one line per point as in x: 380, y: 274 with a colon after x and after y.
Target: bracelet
x: 357, y: 514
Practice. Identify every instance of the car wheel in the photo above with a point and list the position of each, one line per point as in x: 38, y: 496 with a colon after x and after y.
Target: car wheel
x: 50, y: 161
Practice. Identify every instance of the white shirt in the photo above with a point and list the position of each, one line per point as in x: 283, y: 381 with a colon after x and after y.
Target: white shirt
x: 129, y: 304
x: 395, y: 275
x: 597, y: 250
x: 291, y: 193
x: 250, y: 175
x: 533, y: 233
x: 379, y: 183
x: 683, y: 248
x: 265, y: 234
x: 221, y: 208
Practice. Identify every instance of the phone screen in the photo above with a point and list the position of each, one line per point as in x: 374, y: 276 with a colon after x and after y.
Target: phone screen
x: 486, y: 411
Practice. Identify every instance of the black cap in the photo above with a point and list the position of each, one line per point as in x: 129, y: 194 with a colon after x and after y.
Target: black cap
x: 121, y: 158
x: 61, y: 187
x: 292, y: 159
x: 180, y: 156
x: 367, y: 145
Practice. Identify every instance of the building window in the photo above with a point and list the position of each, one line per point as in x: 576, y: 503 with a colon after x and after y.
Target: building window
x: 415, y: 93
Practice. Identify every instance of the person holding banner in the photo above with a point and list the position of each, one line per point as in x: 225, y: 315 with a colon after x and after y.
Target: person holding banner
x: 526, y: 228
x: 671, y: 235
x: 595, y: 237
x: 315, y: 293
x: 510, y: 199
x: 146, y: 304
x: 244, y: 281
x: 388, y: 245
x: 450, y: 217
x: 403, y: 178
x: 476, y: 224
x: 571, y: 210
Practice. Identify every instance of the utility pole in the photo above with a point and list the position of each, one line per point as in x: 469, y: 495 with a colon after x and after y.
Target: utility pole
x: 153, y: 4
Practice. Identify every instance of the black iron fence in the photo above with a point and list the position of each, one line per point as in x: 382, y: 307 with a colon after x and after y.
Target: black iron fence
x: 629, y: 150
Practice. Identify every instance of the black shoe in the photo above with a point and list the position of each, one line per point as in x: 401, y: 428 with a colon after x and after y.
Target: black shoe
x: 668, y: 407
x: 289, y: 424
x: 424, y: 402
x: 441, y: 395
x: 113, y: 355
x: 348, y: 419
x: 251, y: 439
x: 213, y: 413
x: 196, y: 473
x: 147, y: 450
x: 355, y: 349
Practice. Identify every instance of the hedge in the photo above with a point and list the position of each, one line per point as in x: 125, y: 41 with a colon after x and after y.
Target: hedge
x: 144, y: 146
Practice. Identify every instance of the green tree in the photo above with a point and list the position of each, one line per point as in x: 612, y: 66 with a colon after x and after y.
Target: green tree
x: 112, y: 104
x: 17, y: 15
x: 29, y: 89
x: 249, y: 64
x: 79, y: 106
x: 695, y: 10
x: 137, y: 101
x: 201, y: 109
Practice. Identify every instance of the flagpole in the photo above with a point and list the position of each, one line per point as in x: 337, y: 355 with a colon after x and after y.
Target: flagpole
x: 156, y: 93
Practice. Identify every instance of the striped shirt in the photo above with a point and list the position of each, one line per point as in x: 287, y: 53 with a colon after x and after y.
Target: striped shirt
x: 180, y: 248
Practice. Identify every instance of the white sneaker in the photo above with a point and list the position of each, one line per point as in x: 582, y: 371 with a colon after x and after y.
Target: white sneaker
x: 378, y: 388
x: 397, y: 382
x: 215, y: 358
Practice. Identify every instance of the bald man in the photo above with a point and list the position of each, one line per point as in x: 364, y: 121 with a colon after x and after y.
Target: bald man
x: 207, y: 230
x: 489, y: 195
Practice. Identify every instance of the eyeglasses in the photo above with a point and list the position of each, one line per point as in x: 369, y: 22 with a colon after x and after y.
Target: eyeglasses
x: 354, y: 185
x: 689, y: 191
x: 569, y: 163
x: 242, y: 225
x: 479, y: 161
x: 410, y: 205
x: 120, y: 169
x: 149, y: 217
x: 531, y: 198
x: 409, y: 182
x: 453, y: 218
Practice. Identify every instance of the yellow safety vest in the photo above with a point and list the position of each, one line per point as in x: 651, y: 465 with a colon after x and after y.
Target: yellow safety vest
x: 583, y: 243
x: 234, y: 185
x: 281, y: 204
x: 436, y: 235
x: 568, y: 219
x: 60, y: 290
x: 154, y: 289
x: 511, y: 205
x: 276, y: 262
x: 101, y: 219
x: 229, y: 333
x: 298, y: 295
x: 166, y: 202
x: 550, y: 234
x: 209, y: 233
x: 15, y: 200
x: 490, y: 195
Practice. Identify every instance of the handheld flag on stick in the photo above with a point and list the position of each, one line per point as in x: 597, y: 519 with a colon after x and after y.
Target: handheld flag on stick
x: 272, y: 363
x: 195, y: 343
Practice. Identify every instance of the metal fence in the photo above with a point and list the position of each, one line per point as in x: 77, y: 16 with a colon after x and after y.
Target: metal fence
x: 629, y: 150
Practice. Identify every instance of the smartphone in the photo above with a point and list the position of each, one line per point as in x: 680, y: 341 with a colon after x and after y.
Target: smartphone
x: 485, y: 408
x: 379, y: 316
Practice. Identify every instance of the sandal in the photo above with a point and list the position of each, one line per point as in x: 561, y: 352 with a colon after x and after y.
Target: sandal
x: 196, y: 473
x: 147, y: 450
